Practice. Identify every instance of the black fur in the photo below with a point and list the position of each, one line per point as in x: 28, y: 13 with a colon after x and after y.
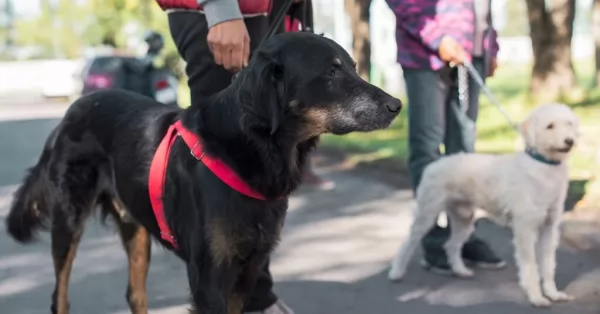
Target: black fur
x: 297, y: 86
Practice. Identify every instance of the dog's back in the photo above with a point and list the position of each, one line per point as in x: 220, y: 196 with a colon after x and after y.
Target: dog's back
x: 458, y: 171
x: 76, y: 167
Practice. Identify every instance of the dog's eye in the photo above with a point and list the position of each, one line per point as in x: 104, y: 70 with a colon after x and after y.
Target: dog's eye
x: 550, y: 126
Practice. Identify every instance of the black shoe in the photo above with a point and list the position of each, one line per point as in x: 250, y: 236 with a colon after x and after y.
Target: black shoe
x: 434, y: 255
x: 435, y: 261
x: 478, y: 253
x: 475, y: 252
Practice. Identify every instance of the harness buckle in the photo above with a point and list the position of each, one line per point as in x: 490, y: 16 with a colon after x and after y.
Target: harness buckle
x: 167, y: 234
x: 192, y: 152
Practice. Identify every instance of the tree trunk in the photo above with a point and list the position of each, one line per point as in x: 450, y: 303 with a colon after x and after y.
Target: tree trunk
x: 359, y: 13
x: 551, y: 29
x: 596, y: 34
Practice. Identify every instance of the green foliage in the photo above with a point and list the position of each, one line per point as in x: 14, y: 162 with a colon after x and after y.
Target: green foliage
x: 516, y: 19
x: 65, y: 27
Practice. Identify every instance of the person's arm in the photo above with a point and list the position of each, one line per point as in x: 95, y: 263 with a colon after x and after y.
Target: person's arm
x: 219, y: 11
x: 411, y: 16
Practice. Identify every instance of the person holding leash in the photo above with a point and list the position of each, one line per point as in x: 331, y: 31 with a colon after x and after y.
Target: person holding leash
x: 215, y: 38
x: 433, y: 37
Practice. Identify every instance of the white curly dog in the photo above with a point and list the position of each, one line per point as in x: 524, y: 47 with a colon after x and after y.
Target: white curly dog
x: 525, y: 190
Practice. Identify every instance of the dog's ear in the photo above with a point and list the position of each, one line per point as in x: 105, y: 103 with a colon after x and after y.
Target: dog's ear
x: 527, y: 129
x: 265, y: 95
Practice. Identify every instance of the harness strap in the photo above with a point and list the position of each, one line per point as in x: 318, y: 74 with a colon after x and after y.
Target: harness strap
x: 156, y: 183
x: 158, y: 172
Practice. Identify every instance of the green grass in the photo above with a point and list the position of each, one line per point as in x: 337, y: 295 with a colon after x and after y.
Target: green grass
x: 184, y: 93
x: 495, y: 135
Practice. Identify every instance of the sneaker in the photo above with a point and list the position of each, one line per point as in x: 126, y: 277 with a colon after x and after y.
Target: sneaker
x: 278, y: 308
x: 435, y: 261
x: 479, y: 254
x: 475, y: 252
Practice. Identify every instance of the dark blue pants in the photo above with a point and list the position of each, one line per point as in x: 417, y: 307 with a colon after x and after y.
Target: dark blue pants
x: 437, y: 118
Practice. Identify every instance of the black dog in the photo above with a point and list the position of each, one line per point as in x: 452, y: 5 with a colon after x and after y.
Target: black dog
x: 297, y: 87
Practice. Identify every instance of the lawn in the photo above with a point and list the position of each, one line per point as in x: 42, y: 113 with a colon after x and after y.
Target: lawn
x: 494, y: 134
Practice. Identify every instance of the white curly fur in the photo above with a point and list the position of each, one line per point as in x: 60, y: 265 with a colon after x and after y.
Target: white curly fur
x: 527, y: 194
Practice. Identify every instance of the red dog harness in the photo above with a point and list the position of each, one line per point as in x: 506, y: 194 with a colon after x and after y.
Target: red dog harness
x: 158, y: 171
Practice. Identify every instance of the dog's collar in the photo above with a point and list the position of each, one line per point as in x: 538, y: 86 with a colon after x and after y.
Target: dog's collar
x: 537, y: 156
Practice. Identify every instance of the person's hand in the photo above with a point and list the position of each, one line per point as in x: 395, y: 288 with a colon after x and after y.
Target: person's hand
x: 229, y: 43
x: 492, y: 67
x: 451, y: 51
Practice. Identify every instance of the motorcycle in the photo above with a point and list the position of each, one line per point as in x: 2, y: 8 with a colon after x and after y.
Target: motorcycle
x: 143, y: 77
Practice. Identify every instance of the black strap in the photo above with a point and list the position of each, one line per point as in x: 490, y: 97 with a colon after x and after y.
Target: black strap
x: 277, y: 21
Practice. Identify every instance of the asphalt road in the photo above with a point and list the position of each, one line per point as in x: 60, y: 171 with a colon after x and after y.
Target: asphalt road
x: 333, y: 257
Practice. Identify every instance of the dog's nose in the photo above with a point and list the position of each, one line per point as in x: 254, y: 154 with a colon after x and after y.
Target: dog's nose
x: 394, y: 105
x: 569, y: 141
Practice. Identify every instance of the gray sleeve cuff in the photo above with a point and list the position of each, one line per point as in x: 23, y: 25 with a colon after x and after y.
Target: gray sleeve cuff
x: 219, y: 11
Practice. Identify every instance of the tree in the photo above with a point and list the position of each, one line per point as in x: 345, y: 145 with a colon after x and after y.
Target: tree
x: 596, y: 34
x: 551, y: 30
x: 359, y: 13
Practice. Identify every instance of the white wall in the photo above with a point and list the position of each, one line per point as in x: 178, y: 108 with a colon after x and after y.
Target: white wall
x: 30, y: 77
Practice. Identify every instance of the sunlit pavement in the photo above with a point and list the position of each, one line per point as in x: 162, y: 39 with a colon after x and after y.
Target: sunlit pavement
x: 333, y: 257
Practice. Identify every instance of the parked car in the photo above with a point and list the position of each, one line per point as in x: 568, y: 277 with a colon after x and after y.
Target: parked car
x: 130, y: 73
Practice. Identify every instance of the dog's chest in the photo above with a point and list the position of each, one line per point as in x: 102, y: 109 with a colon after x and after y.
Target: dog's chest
x: 532, y: 195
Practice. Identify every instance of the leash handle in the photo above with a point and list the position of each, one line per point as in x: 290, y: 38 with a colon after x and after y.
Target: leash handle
x: 277, y: 21
x: 272, y: 28
x: 479, y: 80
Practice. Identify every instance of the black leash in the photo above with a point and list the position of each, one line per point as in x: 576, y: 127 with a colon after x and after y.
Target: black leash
x: 272, y: 28
x: 277, y: 21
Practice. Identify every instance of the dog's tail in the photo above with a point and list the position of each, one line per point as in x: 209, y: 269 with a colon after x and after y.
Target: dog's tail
x: 31, y: 207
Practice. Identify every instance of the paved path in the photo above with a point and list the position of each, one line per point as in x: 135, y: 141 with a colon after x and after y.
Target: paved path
x: 333, y: 257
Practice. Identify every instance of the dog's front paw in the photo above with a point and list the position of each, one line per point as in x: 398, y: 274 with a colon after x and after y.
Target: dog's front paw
x: 395, y: 274
x: 558, y: 296
x: 540, y: 301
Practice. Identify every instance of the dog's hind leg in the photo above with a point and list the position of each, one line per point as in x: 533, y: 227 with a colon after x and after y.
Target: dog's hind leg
x: 65, y: 240
x: 461, y: 220
x: 425, y: 216
x: 136, y: 242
